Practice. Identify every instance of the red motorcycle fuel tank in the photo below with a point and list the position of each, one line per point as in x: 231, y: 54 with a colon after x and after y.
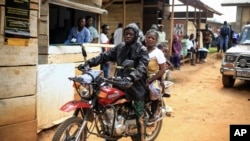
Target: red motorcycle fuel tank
x: 109, y: 95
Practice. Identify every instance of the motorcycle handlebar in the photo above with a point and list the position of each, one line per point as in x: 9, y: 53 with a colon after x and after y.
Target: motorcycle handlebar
x: 118, y: 82
x: 76, y: 79
x: 71, y: 78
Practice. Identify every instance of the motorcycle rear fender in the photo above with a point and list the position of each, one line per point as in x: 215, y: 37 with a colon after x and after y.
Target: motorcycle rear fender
x: 72, y: 105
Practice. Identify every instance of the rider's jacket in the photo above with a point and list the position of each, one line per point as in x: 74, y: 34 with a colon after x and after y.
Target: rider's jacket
x: 135, y: 51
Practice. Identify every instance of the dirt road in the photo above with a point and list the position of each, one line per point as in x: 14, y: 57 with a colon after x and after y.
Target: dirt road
x: 203, y: 109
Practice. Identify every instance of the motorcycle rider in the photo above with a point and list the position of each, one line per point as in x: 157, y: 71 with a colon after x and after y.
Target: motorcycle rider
x: 130, y: 50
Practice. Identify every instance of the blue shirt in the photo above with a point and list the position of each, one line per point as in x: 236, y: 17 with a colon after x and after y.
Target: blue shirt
x: 82, y: 36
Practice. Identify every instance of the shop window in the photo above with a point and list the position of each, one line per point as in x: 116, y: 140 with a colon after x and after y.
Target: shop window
x: 61, y: 20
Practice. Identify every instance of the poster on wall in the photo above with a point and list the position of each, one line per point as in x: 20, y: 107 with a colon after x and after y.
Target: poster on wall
x: 17, y: 18
x: 179, y: 29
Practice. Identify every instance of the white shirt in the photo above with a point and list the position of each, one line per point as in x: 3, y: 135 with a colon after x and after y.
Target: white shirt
x: 189, y: 44
x: 158, y: 55
x: 104, y: 39
x: 118, y: 36
x: 162, y: 36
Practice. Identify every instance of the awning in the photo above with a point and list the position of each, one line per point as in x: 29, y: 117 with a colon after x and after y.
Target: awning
x: 78, y: 6
x: 235, y: 3
x: 200, y: 5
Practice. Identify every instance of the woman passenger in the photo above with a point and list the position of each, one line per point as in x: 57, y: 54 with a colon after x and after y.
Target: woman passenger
x: 156, y: 68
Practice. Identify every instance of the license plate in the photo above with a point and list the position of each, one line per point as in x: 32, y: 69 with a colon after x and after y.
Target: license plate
x: 243, y: 73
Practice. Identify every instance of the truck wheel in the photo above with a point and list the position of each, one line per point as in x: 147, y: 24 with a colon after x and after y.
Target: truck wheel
x: 228, y: 81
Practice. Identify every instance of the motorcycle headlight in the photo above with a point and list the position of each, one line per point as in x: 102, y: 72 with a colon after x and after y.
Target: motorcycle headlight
x: 85, y: 91
x: 230, y: 58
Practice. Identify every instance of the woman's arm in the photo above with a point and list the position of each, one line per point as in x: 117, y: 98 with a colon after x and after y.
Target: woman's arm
x: 159, y: 74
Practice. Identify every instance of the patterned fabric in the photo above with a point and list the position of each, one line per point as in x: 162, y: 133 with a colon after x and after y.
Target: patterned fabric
x: 155, y: 90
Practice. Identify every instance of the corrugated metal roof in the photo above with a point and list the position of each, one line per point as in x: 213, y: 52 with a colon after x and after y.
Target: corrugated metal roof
x: 200, y: 5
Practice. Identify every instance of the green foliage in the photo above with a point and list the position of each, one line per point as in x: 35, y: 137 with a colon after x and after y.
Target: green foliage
x: 212, y: 50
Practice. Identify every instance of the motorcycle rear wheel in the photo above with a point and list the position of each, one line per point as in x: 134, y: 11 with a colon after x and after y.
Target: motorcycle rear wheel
x: 68, y: 130
x: 152, y: 131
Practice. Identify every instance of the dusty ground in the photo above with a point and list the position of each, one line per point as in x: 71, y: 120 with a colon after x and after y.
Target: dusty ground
x: 203, y: 109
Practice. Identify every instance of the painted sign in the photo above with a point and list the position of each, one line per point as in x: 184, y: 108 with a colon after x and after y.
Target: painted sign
x: 17, y: 18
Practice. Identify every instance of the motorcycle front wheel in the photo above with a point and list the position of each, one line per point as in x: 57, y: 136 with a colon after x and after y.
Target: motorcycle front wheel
x: 68, y: 130
x: 152, y: 131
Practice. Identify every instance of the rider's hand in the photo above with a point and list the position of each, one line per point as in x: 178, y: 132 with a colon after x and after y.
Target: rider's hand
x: 148, y: 81
x: 127, y: 82
x: 127, y: 79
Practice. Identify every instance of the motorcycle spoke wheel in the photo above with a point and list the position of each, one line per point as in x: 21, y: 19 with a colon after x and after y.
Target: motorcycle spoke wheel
x: 153, y: 130
x: 68, y: 130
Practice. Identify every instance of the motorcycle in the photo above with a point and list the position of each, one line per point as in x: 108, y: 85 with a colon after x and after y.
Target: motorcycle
x: 103, y: 111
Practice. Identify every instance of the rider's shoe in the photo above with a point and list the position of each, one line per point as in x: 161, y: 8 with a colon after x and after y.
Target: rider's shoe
x: 166, y: 95
x: 169, y: 109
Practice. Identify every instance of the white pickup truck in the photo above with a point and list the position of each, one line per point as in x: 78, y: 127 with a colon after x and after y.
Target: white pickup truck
x: 236, y: 61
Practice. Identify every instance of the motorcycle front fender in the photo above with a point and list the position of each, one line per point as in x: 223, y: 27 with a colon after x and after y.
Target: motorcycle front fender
x: 73, y: 105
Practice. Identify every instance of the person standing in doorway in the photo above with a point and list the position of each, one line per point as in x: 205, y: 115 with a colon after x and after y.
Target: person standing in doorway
x: 105, y: 67
x: 118, y: 34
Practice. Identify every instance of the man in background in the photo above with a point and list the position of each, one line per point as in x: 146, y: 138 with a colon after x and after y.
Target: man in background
x: 141, y: 35
x: 207, y: 36
x: 105, y: 67
x: 93, y: 32
x: 118, y: 34
x: 78, y: 34
x: 162, y: 34
x: 224, y: 36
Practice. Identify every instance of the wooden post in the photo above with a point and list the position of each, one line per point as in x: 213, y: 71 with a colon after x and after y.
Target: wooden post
x: 171, y: 29
x: 99, y: 26
x: 199, y: 32
x: 195, y: 17
x: 124, y: 13
x: 142, y: 6
x: 186, y: 26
